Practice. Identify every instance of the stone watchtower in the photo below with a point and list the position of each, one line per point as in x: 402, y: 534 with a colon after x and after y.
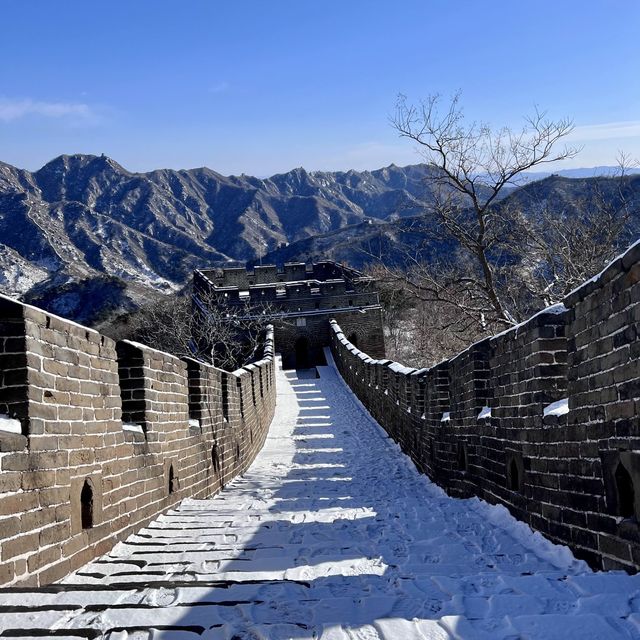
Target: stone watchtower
x: 301, y: 300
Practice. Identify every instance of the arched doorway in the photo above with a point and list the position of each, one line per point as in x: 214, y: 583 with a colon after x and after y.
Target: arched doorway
x: 353, y: 339
x: 303, y: 356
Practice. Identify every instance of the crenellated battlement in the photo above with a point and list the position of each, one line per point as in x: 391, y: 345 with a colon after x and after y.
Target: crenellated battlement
x: 542, y: 418
x: 290, y: 272
x: 312, y: 294
x: 97, y: 438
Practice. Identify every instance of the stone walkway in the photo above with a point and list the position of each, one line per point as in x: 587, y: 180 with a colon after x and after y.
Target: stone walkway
x: 331, y: 534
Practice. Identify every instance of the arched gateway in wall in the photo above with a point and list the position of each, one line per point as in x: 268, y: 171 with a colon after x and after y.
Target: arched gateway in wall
x: 303, y: 353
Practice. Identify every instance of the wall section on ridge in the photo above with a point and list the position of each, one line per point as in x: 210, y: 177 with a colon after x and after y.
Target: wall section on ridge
x: 477, y: 424
x: 99, y: 438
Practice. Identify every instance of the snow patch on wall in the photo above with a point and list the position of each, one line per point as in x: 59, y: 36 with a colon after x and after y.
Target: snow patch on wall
x: 559, y: 408
x: 130, y: 426
x: 484, y: 413
x: 9, y: 425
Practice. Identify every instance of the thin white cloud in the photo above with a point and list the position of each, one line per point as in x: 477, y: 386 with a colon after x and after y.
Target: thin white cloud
x: 607, y: 130
x: 221, y: 87
x: 16, y: 109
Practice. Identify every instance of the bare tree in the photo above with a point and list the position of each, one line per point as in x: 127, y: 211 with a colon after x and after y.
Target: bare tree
x: 420, y: 330
x: 563, y: 248
x: 226, y: 336
x: 485, y: 255
x: 396, y: 306
x: 472, y: 165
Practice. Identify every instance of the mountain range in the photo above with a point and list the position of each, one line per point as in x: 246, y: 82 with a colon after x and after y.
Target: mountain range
x: 86, y: 238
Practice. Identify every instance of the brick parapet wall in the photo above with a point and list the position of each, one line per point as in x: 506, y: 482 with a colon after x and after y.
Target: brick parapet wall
x: 574, y: 477
x: 68, y: 387
x: 365, y: 328
x: 13, y: 367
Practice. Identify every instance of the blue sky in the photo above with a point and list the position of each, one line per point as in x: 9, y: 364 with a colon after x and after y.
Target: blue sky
x: 261, y: 87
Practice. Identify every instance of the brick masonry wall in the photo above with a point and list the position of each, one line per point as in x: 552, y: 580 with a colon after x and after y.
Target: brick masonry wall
x: 574, y: 477
x: 364, y: 327
x: 111, y: 436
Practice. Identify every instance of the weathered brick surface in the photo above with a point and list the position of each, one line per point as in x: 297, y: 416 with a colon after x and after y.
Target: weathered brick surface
x: 575, y: 477
x: 71, y: 389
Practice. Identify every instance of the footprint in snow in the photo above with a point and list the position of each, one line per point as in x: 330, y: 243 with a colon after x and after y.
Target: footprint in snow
x: 563, y: 606
x: 489, y: 582
x: 431, y: 559
x: 162, y: 597
x: 366, y: 632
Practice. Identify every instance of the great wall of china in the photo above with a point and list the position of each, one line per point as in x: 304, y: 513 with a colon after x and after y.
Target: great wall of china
x: 542, y: 418
x: 99, y: 438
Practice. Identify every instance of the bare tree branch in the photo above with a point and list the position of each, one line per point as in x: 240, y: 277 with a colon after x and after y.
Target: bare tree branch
x: 503, y: 257
x: 226, y: 336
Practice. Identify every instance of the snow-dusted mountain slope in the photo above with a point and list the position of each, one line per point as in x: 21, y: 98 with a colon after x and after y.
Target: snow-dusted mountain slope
x: 85, y: 224
x: 84, y: 217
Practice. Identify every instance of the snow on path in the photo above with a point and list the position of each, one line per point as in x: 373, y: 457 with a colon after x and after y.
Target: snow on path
x: 331, y: 534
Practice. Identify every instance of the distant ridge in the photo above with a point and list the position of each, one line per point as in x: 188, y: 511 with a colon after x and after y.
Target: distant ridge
x: 585, y: 172
x: 87, y: 238
x: 85, y: 219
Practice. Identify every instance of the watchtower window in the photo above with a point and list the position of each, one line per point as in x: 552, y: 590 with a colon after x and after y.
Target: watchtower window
x: 353, y: 339
x: 462, y: 457
x: 626, y: 492
x: 86, y: 504
x: 173, y: 484
x: 513, y: 476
